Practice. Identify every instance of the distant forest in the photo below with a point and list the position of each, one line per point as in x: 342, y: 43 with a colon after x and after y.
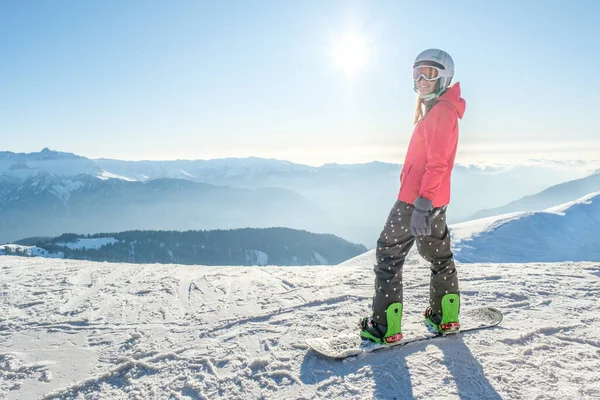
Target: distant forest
x: 270, y: 246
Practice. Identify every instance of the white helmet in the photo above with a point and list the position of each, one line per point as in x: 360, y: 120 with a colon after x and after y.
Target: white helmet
x: 441, y: 59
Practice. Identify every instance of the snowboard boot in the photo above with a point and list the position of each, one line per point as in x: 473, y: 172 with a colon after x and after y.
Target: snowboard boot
x: 384, y: 333
x: 447, y: 323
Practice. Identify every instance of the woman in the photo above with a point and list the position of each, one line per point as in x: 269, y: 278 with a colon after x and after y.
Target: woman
x: 420, y: 211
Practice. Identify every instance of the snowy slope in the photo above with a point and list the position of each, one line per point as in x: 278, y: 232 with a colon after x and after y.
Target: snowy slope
x: 31, y: 251
x: 556, y: 194
x: 569, y: 231
x: 130, y: 331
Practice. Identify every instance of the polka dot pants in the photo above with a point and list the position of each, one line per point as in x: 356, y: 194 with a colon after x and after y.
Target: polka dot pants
x: 392, y: 247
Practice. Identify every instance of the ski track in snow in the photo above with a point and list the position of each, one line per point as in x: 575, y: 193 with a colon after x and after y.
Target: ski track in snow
x: 83, y: 330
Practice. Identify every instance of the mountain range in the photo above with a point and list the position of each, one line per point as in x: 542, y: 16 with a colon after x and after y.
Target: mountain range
x: 557, y: 194
x: 49, y: 193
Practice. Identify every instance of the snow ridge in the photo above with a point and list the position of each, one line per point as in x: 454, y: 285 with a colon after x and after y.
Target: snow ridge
x: 567, y: 232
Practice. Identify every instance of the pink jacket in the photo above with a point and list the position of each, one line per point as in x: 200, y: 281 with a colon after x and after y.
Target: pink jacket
x: 431, y: 152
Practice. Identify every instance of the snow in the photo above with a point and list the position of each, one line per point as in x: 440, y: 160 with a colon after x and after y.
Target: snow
x: 64, y: 189
x: 26, y: 165
x: 562, y: 209
x: 89, y: 243
x: 185, y: 174
x: 105, y: 175
x: 136, y: 331
x: 80, y: 243
x: 217, y: 169
x: 31, y: 251
x: 320, y: 258
x: 567, y: 232
x: 261, y: 257
x: 467, y: 230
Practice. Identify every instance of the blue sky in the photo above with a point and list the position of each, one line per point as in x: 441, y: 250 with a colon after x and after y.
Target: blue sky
x: 197, y: 79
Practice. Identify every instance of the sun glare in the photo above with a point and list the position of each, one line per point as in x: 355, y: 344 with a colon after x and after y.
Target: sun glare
x: 350, y: 52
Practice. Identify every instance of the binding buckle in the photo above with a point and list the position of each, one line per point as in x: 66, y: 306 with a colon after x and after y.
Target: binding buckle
x: 450, y: 326
x: 393, y: 338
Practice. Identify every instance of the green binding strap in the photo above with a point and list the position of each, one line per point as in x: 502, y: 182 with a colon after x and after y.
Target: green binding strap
x: 393, y: 315
x: 450, y: 308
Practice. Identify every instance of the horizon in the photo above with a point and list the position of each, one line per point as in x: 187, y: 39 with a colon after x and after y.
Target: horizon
x: 308, y: 83
x: 481, y: 155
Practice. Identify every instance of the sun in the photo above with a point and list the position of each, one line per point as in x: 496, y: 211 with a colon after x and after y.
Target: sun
x: 350, y: 52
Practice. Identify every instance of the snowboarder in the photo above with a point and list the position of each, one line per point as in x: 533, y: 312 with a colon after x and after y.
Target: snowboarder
x: 419, y: 214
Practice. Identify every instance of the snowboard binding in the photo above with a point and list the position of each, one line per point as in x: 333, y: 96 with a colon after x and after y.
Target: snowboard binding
x: 447, y: 323
x: 380, y: 333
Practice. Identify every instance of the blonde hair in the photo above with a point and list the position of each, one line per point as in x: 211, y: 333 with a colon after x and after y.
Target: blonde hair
x: 419, y: 112
x: 422, y: 108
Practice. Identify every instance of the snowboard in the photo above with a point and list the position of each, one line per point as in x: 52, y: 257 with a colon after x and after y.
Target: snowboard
x: 350, y: 345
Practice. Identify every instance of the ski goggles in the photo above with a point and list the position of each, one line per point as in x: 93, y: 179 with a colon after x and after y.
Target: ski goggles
x: 429, y: 73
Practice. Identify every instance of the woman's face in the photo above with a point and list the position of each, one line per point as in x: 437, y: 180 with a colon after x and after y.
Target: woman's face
x: 425, y: 87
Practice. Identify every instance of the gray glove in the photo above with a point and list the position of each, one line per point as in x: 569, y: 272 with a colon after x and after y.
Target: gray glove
x: 420, y: 223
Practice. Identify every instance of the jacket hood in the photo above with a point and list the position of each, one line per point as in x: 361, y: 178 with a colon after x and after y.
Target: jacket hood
x: 452, y: 96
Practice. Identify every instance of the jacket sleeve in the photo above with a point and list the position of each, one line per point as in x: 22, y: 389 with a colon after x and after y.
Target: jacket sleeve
x: 439, y: 136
